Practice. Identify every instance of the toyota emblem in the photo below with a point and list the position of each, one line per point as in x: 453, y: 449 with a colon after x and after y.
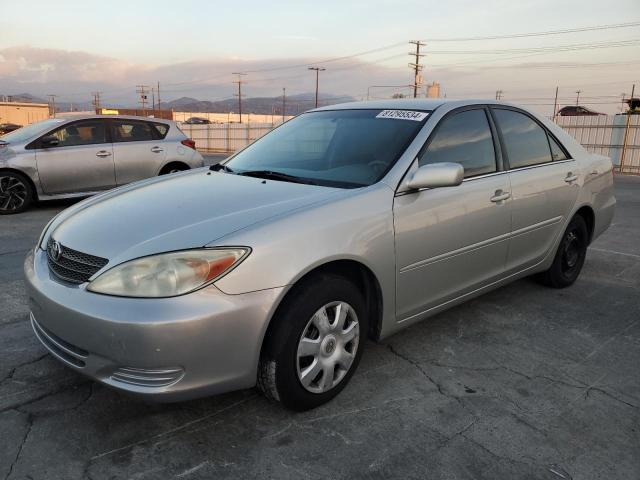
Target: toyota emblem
x: 56, y: 251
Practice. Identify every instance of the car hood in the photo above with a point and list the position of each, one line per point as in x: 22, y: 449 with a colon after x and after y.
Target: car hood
x: 176, y: 212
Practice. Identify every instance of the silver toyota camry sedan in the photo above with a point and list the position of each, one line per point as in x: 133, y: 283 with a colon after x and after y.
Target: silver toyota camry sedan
x: 80, y: 155
x: 347, y: 223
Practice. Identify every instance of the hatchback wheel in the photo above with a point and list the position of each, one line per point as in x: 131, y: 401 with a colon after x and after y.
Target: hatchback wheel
x: 16, y: 193
x: 570, y: 255
x: 315, y: 344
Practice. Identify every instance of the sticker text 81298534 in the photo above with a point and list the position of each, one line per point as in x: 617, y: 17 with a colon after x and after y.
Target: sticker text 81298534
x: 403, y: 115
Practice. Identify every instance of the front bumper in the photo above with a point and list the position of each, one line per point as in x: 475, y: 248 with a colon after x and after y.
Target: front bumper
x: 167, y: 349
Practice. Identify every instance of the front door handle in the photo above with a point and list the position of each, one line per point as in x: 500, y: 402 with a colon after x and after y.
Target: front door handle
x: 156, y: 150
x: 500, y: 196
x: 570, y: 177
x: 103, y: 153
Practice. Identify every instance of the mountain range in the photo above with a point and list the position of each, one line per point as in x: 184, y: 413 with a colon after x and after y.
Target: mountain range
x: 294, y: 104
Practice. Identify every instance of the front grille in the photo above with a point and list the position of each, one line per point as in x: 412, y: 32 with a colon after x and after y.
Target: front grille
x: 73, y: 266
x: 60, y: 348
x: 143, y: 377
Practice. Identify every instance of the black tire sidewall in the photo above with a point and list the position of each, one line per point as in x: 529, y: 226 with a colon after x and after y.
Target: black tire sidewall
x: 557, y: 275
x: 30, y: 193
x: 292, y: 319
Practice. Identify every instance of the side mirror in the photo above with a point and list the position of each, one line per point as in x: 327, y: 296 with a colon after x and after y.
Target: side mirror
x: 436, y: 175
x: 49, y: 141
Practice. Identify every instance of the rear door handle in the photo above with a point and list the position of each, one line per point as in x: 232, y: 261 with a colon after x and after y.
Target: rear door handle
x: 156, y: 150
x: 103, y: 153
x: 500, y: 196
x: 570, y: 177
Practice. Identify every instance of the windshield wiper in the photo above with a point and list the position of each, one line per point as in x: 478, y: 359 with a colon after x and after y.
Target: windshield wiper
x: 271, y: 175
x: 218, y: 166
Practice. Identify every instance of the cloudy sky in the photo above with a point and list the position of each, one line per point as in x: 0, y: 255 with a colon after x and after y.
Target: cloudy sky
x: 192, y: 47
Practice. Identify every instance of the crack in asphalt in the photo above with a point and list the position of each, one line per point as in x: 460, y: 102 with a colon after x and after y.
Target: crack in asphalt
x: 30, y: 420
x: 425, y: 374
x: 13, y: 370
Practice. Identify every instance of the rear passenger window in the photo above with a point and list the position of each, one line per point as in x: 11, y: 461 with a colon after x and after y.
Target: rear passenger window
x: 131, y: 131
x: 556, y: 152
x: 525, y: 141
x: 162, y: 129
x: 463, y: 138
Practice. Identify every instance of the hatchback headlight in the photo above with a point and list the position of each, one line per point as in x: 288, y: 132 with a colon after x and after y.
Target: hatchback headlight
x: 168, y: 274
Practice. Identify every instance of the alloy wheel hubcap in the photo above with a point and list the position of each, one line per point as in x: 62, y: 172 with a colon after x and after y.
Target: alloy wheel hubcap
x: 327, y: 347
x: 13, y: 193
x: 572, y: 251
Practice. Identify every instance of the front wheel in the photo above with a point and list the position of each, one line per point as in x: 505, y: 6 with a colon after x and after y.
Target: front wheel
x: 570, y: 256
x: 315, y: 344
x: 16, y: 193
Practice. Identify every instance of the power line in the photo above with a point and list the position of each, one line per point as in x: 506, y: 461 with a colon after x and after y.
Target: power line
x: 556, y: 48
x: 537, y: 34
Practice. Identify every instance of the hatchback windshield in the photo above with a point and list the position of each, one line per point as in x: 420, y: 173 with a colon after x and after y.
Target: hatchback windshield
x: 25, y: 133
x: 341, y: 148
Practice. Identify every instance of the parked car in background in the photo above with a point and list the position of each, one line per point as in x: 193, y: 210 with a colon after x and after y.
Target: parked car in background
x: 82, y: 155
x: 348, y: 222
x: 197, y: 121
x: 8, y: 127
x: 577, y: 111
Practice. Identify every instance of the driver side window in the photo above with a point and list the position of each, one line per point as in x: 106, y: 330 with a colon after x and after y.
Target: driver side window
x: 463, y: 138
x: 89, y: 132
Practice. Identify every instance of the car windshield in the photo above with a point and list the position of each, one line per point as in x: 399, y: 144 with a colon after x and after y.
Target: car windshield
x: 25, y: 133
x: 339, y: 148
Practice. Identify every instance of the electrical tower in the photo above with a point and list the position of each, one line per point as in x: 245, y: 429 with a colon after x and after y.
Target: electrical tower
x: 417, y: 68
x: 239, y: 94
x: 96, y: 101
x: 142, y: 91
x: 317, y: 70
x: 52, y: 101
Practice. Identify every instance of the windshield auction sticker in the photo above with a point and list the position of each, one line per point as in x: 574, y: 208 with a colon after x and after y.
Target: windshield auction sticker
x: 403, y: 115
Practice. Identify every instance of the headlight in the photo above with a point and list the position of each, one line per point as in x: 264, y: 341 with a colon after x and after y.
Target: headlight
x: 168, y: 274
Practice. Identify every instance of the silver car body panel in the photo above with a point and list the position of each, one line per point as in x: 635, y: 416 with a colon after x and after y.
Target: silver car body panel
x: 428, y: 250
x: 76, y: 171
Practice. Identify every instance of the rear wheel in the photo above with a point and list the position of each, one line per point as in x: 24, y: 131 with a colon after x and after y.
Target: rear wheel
x: 570, y: 256
x: 16, y: 193
x: 173, y: 168
x: 315, y: 344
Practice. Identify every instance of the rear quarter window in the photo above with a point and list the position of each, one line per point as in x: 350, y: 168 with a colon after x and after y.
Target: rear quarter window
x: 162, y: 129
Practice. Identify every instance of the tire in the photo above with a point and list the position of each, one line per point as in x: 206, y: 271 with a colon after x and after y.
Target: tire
x: 300, y: 381
x: 570, y: 255
x: 173, y: 168
x: 16, y: 193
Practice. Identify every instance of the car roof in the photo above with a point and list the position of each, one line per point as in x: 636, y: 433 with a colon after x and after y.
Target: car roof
x: 411, y: 104
x: 72, y: 118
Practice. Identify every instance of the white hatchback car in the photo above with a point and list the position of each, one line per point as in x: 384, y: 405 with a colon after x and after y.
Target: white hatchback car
x: 81, y: 155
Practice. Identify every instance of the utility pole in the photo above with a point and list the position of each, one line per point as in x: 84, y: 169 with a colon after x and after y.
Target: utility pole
x: 417, y: 68
x: 555, y: 106
x: 153, y: 98
x: 96, y: 101
x: 317, y: 70
x: 52, y: 100
x: 578, y: 97
x: 239, y: 94
x: 142, y: 91
x: 284, y: 104
x: 499, y: 94
x: 158, y: 90
x: 626, y: 129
